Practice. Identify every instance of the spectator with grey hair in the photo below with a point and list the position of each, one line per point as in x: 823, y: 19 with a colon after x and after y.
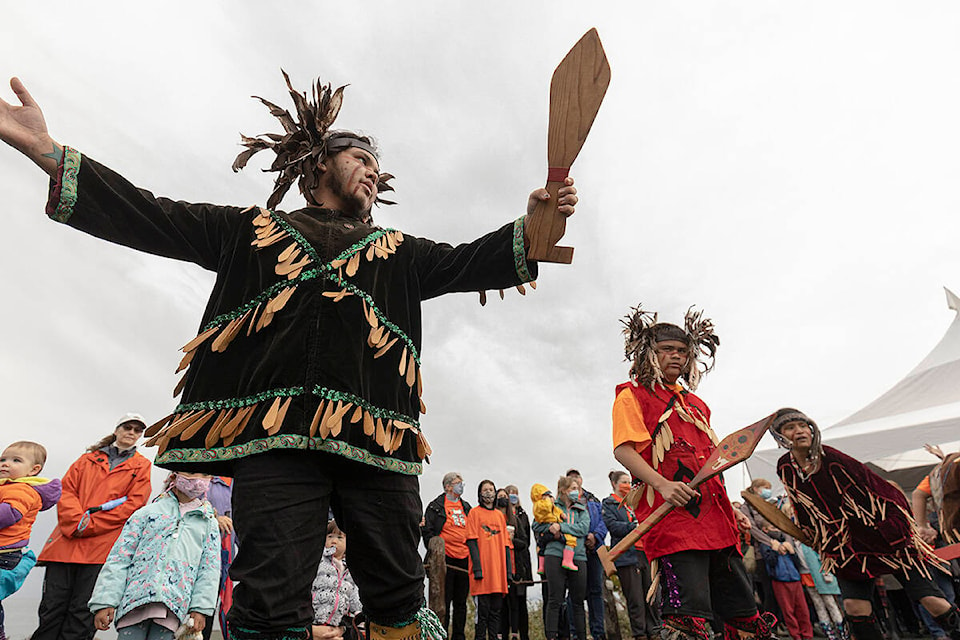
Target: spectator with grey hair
x: 446, y: 516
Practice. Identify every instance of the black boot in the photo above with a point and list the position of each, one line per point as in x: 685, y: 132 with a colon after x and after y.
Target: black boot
x: 865, y: 628
x: 950, y: 622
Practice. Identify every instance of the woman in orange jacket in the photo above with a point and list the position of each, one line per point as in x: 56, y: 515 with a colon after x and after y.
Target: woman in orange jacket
x: 101, y: 490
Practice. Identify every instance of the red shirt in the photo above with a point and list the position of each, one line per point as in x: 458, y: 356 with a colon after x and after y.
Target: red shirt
x: 706, y: 522
x: 454, y: 531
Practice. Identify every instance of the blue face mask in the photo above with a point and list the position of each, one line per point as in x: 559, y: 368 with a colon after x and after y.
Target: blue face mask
x: 574, y: 495
x: 514, y: 498
x: 766, y: 494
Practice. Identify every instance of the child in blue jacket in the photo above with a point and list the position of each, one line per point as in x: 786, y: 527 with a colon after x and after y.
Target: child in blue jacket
x: 164, y: 569
x: 783, y: 565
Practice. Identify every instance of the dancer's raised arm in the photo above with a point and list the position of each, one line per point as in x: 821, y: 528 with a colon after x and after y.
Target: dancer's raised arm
x: 23, y: 128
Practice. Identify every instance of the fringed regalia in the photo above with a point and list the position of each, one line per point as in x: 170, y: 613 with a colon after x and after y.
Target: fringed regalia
x: 859, y: 523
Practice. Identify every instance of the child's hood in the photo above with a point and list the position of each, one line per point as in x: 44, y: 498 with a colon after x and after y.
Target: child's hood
x: 49, y: 490
x: 537, y: 491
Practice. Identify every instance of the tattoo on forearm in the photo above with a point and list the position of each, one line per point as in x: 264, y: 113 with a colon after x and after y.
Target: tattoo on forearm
x: 56, y: 154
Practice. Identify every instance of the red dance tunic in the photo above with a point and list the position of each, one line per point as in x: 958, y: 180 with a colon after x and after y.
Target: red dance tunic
x: 677, y: 448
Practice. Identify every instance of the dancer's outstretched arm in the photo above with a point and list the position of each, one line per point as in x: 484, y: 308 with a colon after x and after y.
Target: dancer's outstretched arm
x: 23, y: 128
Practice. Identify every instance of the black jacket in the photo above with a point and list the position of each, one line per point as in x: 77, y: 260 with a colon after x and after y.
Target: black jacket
x: 435, y: 516
x: 311, y: 336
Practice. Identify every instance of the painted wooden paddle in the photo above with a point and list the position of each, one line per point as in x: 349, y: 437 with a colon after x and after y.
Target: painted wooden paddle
x: 576, y: 91
x: 732, y: 450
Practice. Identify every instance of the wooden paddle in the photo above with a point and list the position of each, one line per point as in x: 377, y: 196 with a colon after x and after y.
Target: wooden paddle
x: 775, y: 516
x: 576, y: 91
x: 731, y: 451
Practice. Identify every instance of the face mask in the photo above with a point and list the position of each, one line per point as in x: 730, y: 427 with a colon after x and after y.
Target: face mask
x: 192, y: 487
x: 488, y: 496
x: 458, y: 489
x: 503, y: 501
x: 574, y: 495
x: 514, y: 498
x: 766, y: 494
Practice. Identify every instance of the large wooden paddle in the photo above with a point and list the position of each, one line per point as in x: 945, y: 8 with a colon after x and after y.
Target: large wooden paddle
x: 576, y: 91
x: 731, y: 451
x: 772, y: 514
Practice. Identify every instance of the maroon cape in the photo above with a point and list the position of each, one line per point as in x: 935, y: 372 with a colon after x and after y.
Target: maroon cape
x: 859, y: 523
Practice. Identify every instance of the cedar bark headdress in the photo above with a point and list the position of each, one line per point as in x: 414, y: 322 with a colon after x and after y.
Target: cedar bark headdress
x: 305, y: 142
x: 642, y: 332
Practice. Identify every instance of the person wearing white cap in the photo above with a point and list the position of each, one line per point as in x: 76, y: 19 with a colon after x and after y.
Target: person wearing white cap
x: 101, y: 490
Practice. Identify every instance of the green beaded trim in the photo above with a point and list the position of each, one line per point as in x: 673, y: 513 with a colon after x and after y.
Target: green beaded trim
x: 68, y: 185
x: 376, y: 412
x: 519, y: 253
x: 297, y: 237
x: 308, y: 274
x: 220, y: 454
x: 233, y: 403
x: 360, y: 293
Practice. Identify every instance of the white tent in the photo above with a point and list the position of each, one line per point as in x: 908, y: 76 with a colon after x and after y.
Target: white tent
x: 923, y: 408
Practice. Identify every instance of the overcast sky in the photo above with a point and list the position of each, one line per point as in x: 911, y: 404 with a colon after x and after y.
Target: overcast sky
x: 790, y: 168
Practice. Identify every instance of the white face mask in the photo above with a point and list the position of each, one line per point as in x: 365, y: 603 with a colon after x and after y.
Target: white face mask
x: 192, y: 487
x: 457, y: 489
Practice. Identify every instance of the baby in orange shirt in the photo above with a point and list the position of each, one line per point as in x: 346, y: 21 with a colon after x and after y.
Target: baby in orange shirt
x: 22, y: 496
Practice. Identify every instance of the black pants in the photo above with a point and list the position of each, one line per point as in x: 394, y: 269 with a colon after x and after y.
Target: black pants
x: 455, y: 590
x: 280, y: 508
x: 514, y: 615
x: 63, y: 607
x: 914, y: 583
x: 488, y: 616
x: 560, y: 581
x: 700, y: 583
x: 635, y: 582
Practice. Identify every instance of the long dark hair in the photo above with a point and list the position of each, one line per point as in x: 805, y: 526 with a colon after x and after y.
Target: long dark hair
x: 508, y: 512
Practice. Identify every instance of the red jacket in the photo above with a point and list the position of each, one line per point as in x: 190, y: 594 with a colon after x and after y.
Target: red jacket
x: 89, y: 482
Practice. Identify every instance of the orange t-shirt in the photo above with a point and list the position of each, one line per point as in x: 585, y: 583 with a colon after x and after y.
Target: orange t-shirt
x: 924, y: 486
x: 26, y: 500
x: 454, y: 531
x: 489, y: 528
x: 628, y: 424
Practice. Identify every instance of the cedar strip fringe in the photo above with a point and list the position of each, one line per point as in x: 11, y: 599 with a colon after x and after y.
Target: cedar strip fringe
x: 368, y: 425
x: 281, y: 414
x: 213, y: 434
x: 155, y: 428
x: 193, y: 429
x: 324, y: 431
x: 315, y: 423
x: 357, y: 415
x: 177, y: 390
x: 180, y: 427
x: 271, y: 417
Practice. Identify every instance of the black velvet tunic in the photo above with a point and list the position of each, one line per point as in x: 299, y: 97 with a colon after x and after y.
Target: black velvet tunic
x: 311, y: 337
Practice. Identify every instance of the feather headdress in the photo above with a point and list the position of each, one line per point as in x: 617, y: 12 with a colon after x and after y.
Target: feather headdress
x: 642, y: 332
x: 305, y: 142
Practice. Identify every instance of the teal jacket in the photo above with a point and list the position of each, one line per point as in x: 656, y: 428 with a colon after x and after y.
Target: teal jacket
x: 163, y: 557
x: 577, y: 525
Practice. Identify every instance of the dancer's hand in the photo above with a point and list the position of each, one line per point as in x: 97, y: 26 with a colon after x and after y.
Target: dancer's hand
x: 326, y: 632
x: 103, y: 618
x: 23, y: 128
x: 566, y: 198
x: 676, y: 493
x: 927, y: 533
